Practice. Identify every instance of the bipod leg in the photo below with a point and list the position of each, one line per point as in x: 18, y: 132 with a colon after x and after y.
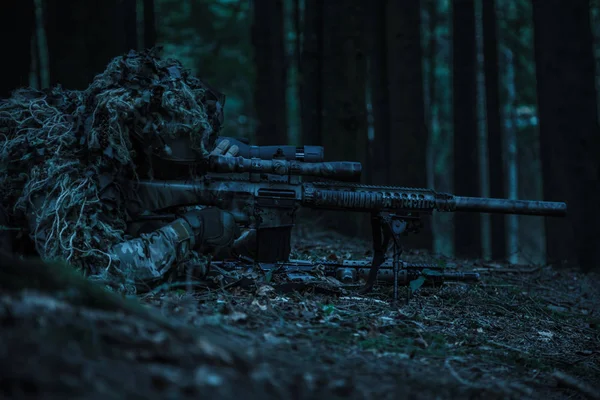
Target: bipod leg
x: 381, y: 239
x: 396, y: 227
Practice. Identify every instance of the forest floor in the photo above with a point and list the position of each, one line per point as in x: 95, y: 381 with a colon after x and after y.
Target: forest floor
x: 522, y: 332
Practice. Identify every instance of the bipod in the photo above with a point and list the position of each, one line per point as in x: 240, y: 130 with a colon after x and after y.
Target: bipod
x: 385, y: 227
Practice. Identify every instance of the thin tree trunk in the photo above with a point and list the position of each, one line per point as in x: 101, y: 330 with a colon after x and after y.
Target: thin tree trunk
x: 294, y: 85
x: 149, y: 24
x: 408, y: 131
x: 595, y: 17
x: 511, y: 165
x: 467, y: 240
x: 34, y: 70
x: 292, y: 51
x: 42, y: 45
x: 442, y: 141
x: 431, y: 92
x: 380, y: 170
x: 311, y: 73
x: 431, y: 17
x: 16, y: 29
x: 271, y: 72
x: 569, y: 132
x: 494, y: 124
x: 297, y: 27
x: 129, y: 21
x: 344, y: 92
x: 482, y: 128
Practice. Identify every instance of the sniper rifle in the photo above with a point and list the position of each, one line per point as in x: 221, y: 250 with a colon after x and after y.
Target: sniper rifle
x: 265, y: 193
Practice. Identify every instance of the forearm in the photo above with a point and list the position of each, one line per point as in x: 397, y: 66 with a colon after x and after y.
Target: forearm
x: 152, y: 255
x: 147, y: 257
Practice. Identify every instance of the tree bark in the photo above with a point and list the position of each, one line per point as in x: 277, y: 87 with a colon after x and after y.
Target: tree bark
x: 407, y: 148
x: 17, y: 20
x: 128, y: 16
x: 569, y: 132
x: 484, y: 176
x: 379, y: 78
x: 430, y: 86
x: 311, y: 73
x: 510, y: 145
x: 494, y: 124
x: 344, y: 92
x: 83, y: 37
x: 149, y: 24
x: 467, y: 240
x: 271, y: 72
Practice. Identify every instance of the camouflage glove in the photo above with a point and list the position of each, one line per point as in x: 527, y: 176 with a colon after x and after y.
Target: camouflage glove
x: 245, y: 244
x: 223, y: 149
x: 213, y: 229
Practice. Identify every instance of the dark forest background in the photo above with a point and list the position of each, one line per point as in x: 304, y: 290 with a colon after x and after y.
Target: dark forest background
x: 480, y: 98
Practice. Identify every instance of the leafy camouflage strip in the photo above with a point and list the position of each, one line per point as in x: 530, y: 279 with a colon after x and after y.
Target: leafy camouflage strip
x: 65, y: 154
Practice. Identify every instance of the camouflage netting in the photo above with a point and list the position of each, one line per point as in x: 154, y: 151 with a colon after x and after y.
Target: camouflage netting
x: 59, y: 145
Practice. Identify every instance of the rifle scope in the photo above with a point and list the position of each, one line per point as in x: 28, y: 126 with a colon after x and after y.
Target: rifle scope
x: 341, y: 170
x: 290, y: 153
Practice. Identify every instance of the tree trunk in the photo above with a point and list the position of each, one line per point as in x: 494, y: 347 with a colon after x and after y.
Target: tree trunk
x: 83, y: 37
x: 344, y: 92
x: 430, y: 22
x: 467, y: 241
x: 379, y: 79
x: 494, y: 124
x: 595, y: 11
x: 311, y: 73
x: 443, y: 137
x: 430, y: 88
x: 569, y: 133
x: 510, y: 144
x: 128, y: 17
x: 41, y: 45
x: 407, y: 148
x: 149, y: 24
x: 271, y: 72
x: 17, y: 19
x: 484, y: 177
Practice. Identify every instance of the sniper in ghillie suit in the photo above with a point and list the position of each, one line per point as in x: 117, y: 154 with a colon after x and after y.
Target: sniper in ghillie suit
x: 346, y: 230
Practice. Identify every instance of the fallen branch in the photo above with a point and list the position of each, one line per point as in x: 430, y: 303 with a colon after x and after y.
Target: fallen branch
x: 368, y: 299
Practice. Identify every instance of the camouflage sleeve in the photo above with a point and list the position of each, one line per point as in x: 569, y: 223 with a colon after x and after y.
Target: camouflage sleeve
x: 153, y: 254
x: 145, y: 258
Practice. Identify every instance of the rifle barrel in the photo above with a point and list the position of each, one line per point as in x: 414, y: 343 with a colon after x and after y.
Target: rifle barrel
x: 506, y: 206
x: 368, y: 197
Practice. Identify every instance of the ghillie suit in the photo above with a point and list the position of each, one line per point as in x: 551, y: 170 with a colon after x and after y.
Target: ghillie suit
x: 66, y: 157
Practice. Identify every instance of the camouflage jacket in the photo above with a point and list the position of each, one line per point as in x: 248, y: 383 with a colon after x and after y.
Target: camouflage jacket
x: 66, y: 156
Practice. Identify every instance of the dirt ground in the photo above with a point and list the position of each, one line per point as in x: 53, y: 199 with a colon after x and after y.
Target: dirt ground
x: 524, y: 332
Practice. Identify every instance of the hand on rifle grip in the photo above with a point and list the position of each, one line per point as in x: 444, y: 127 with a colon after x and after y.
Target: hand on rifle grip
x: 223, y: 149
x: 213, y: 228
